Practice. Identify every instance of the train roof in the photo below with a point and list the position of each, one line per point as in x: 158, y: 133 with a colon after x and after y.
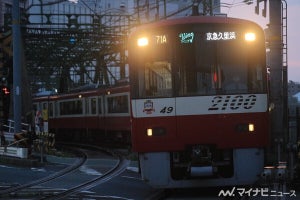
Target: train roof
x: 196, y: 19
x: 83, y: 91
x: 44, y: 93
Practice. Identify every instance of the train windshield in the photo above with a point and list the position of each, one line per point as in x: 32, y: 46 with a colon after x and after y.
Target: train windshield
x: 195, y: 60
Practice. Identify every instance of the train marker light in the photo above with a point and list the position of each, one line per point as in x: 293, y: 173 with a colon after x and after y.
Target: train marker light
x: 251, y: 127
x: 143, y: 41
x: 156, y: 131
x: 250, y: 37
x: 149, y: 132
x: 245, y: 128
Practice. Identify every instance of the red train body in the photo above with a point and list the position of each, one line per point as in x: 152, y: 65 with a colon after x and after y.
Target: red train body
x: 199, y: 101
x: 198, y: 107
x: 94, y: 115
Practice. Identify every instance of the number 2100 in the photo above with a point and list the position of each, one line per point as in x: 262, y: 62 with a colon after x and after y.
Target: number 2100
x: 232, y: 102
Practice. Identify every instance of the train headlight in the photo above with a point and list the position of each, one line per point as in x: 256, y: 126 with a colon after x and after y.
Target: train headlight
x: 250, y: 127
x: 143, y: 41
x: 250, y: 37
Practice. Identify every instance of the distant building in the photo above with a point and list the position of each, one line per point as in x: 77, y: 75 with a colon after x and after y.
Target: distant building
x: 293, y: 88
x: 293, y: 97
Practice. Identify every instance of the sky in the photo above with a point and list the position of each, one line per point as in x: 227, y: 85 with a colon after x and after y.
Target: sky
x: 293, y: 36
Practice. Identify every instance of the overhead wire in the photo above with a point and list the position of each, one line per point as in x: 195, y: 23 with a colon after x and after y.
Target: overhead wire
x: 235, y: 4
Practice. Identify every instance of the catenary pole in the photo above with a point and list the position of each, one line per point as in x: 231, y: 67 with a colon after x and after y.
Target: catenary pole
x: 16, y: 65
x: 278, y: 127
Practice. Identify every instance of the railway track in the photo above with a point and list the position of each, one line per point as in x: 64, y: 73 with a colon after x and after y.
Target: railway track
x: 35, y: 191
x: 118, y: 169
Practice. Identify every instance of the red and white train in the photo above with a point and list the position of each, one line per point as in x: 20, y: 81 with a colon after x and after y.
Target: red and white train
x: 88, y: 115
x: 199, y: 101
x: 196, y: 109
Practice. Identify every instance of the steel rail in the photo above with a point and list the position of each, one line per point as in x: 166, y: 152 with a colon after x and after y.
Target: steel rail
x: 77, y: 164
x: 120, y: 167
x: 117, y: 169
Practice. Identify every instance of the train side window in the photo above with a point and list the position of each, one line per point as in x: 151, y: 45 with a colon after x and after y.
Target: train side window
x: 93, y: 105
x: 74, y: 107
x: 100, y: 105
x: 45, y: 105
x: 56, y: 109
x: 62, y: 108
x: 51, y: 109
x: 87, y: 107
x: 117, y: 104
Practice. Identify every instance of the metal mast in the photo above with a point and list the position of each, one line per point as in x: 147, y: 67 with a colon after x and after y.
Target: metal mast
x: 278, y: 82
x: 16, y: 65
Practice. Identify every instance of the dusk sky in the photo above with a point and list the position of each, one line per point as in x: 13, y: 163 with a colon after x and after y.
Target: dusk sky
x: 247, y: 12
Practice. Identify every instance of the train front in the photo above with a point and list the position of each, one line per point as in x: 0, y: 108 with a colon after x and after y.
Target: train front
x: 199, y: 101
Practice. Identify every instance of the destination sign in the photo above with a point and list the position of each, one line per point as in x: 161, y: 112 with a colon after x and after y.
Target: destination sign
x: 220, y: 36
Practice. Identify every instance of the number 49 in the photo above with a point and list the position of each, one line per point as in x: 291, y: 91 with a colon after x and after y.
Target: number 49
x: 167, y: 109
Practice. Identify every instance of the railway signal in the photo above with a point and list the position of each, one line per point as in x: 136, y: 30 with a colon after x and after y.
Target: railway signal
x: 4, y: 102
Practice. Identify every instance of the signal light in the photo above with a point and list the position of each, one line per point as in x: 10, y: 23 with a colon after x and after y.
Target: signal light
x: 5, y: 90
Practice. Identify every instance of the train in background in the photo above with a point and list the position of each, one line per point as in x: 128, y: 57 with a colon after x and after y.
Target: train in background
x: 88, y: 114
x: 199, y: 101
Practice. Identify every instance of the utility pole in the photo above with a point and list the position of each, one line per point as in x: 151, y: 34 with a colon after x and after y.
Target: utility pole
x: 279, y: 127
x: 16, y: 65
x: 278, y: 80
